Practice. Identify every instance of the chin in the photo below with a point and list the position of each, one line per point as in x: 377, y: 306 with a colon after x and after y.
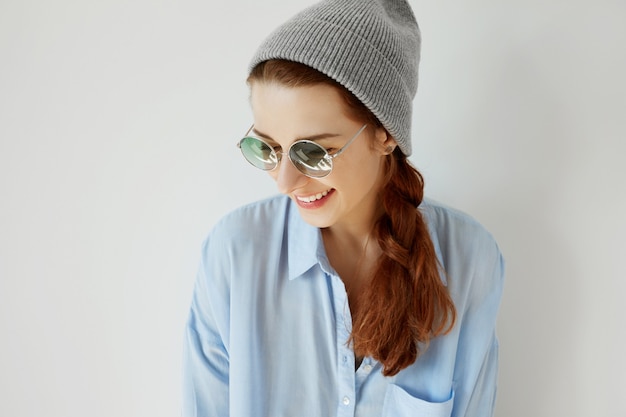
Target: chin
x: 316, y: 221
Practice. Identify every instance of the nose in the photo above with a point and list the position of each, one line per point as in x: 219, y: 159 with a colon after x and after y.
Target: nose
x: 287, y: 176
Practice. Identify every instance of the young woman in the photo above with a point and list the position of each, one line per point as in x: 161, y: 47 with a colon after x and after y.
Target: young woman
x: 350, y: 295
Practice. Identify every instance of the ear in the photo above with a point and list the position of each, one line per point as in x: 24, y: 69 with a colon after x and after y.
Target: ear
x: 384, y: 141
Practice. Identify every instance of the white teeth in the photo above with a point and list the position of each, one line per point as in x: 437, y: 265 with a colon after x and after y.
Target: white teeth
x: 313, y: 197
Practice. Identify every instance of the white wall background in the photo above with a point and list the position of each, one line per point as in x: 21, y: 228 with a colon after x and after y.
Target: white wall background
x: 118, y: 121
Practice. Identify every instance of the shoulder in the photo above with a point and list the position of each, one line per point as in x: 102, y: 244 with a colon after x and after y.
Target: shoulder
x: 256, y: 217
x: 446, y: 219
x: 250, y: 226
x: 248, y: 232
x: 467, y: 251
x: 454, y: 230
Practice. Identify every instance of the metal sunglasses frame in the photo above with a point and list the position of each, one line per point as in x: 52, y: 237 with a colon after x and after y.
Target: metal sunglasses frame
x: 328, y: 158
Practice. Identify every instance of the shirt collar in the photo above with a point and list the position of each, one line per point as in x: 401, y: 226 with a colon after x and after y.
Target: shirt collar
x: 304, y: 244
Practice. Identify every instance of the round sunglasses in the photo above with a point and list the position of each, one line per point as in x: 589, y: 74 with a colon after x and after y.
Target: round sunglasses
x: 307, y: 156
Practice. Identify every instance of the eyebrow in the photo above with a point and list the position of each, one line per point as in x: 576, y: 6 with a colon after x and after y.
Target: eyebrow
x: 311, y: 138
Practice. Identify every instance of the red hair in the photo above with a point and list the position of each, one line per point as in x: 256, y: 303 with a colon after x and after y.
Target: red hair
x: 406, y: 275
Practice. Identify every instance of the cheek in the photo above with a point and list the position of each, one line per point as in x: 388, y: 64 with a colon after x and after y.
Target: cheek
x: 366, y: 167
x: 359, y: 176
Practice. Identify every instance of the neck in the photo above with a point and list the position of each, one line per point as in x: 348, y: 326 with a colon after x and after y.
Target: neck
x: 355, y: 232
x: 354, y: 258
x: 352, y: 251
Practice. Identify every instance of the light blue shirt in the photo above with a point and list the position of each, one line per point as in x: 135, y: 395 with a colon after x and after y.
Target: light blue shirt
x: 269, y: 321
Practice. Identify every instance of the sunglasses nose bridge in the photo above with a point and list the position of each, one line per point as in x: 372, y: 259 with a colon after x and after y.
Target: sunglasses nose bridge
x: 288, y: 176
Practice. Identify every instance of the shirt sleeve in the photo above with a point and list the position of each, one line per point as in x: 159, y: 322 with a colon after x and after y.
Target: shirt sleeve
x: 205, y: 348
x: 477, y: 357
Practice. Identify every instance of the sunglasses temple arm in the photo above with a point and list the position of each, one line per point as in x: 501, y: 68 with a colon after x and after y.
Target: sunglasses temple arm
x: 340, y: 151
x: 247, y: 133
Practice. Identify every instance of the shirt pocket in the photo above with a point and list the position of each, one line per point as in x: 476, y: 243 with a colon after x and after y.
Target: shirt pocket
x: 399, y: 403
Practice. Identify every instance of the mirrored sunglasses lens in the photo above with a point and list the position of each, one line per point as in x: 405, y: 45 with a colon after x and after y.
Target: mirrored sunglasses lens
x: 258, y: 153
x: 311, y: 159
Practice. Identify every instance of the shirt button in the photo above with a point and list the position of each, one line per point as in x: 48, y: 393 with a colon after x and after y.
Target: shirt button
x: 346, y: 401
x: 367, y: 368
x: 344, y: 359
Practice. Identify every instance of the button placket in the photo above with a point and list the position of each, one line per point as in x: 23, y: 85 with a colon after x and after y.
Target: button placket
x: 345, y: 356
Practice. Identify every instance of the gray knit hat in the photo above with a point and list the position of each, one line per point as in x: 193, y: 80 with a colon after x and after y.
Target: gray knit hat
x: 371, y: 47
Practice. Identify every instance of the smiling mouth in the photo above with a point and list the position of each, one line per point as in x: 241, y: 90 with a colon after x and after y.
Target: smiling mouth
x: 314, y: 197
